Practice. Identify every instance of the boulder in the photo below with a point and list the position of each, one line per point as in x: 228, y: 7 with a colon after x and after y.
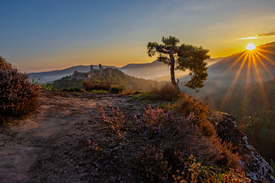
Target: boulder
x: 255, y: 166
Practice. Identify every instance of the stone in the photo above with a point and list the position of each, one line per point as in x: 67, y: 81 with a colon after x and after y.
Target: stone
x: 255, y: 166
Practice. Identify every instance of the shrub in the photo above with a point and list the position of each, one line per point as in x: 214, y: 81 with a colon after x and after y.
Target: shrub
x: 115, y: 122
x: 99, y: 91
x: 18, y: 97
x: 161, y: 143
x: 71, y: 89
x: 88, y: 86
x: 43, y: 86
x: 187, y: 104
x: 116, y: 89
x: 184, y: 137
x: 153, y: 163
x: 166, y: 92
x: 195, y: 172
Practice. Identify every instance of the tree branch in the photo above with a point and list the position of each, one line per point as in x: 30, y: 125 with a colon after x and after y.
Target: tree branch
x: 160, y: 50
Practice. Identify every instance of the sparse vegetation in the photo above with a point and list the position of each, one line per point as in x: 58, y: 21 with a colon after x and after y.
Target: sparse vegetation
x: 166, y: 92
x: 43, y: 86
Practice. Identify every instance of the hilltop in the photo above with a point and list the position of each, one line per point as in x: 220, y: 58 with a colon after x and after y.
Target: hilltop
x: 65, y: 140
x: 116, y: 78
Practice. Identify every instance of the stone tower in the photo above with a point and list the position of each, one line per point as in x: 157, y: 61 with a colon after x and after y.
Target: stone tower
x: 100, y: 70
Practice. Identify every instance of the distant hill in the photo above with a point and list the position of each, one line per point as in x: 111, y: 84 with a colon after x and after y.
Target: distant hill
x: 246, y: 66
x: 57, y: 74
x: 156, y: 70
x: 117, y: 78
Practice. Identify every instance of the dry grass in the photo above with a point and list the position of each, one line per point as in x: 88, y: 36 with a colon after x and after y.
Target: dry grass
x: 166, y: 92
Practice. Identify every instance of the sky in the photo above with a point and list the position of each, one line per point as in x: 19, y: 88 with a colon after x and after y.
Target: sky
x: 44, y: 35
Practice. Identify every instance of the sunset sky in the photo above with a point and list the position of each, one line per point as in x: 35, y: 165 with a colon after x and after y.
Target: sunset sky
x: 42, y: 35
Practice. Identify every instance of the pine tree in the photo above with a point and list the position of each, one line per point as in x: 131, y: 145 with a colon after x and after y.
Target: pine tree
x: 181, y: 58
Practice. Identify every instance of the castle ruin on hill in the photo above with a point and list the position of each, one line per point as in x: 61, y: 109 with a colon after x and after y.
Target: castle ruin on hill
x: 93, y: 72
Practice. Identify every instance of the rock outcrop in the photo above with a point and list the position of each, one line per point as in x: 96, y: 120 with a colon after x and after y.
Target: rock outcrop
x: 255, y: 166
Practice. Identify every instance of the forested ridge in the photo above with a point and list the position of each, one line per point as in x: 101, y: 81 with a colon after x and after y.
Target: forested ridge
x: 118, y: 78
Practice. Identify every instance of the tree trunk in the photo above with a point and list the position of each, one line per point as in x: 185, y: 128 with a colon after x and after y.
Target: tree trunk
x: 172, y: 69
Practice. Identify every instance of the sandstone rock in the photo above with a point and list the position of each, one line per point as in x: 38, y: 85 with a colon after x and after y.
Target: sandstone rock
x: 255, y: 166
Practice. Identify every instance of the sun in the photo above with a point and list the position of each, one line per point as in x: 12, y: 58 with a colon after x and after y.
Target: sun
x: 250, y: 46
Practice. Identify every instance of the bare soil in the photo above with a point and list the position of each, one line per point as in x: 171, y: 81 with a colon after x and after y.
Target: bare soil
x: 51, y: 145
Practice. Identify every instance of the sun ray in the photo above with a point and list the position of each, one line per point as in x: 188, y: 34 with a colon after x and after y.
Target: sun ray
x: 252, y: 65
x: 263, y: 64
x: 266, y: 58
x: 249, y: 55
x: 265, y: 51
x: 261, y: 87
x: 231, y: 66
x: 232, y: 86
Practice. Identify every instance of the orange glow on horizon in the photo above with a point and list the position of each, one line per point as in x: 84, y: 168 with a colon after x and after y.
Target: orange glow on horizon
x: 251, y: 61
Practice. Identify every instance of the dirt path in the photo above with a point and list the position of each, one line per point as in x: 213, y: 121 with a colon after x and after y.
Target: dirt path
x: 43, y: 147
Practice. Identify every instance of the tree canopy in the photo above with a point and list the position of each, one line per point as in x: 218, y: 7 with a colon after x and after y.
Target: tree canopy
x: 181, y: 58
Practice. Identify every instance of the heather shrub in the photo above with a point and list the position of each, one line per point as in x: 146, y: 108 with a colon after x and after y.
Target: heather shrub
x: 4, y: 65
x: 153, y: 164
x: 226, y: 148
x: 161, y: 142
x: 195, y: 172
x: 180, y: 137
x: 187, y: 104
x: 88, y: 86
x: 232, y: 177
x: 18, y: 97
x: 115, y: 122
x: 166, y: 92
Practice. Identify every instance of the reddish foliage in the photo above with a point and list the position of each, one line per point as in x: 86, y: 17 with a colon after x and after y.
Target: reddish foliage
x: 17, y: 95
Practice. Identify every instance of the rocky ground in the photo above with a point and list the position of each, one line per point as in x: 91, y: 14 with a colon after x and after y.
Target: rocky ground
x: 51, y: 144
x: 55, y: 143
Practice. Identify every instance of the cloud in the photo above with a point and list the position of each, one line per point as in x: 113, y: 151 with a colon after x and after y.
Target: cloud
x: 255, y: 37
x: 267, y: 34
x: 259, y: 36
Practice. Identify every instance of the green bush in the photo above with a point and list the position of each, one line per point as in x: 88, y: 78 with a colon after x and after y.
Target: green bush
x: 18, y: 97
x: 44, y: 86
x: 116, y: 89
x: 88, y: 86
